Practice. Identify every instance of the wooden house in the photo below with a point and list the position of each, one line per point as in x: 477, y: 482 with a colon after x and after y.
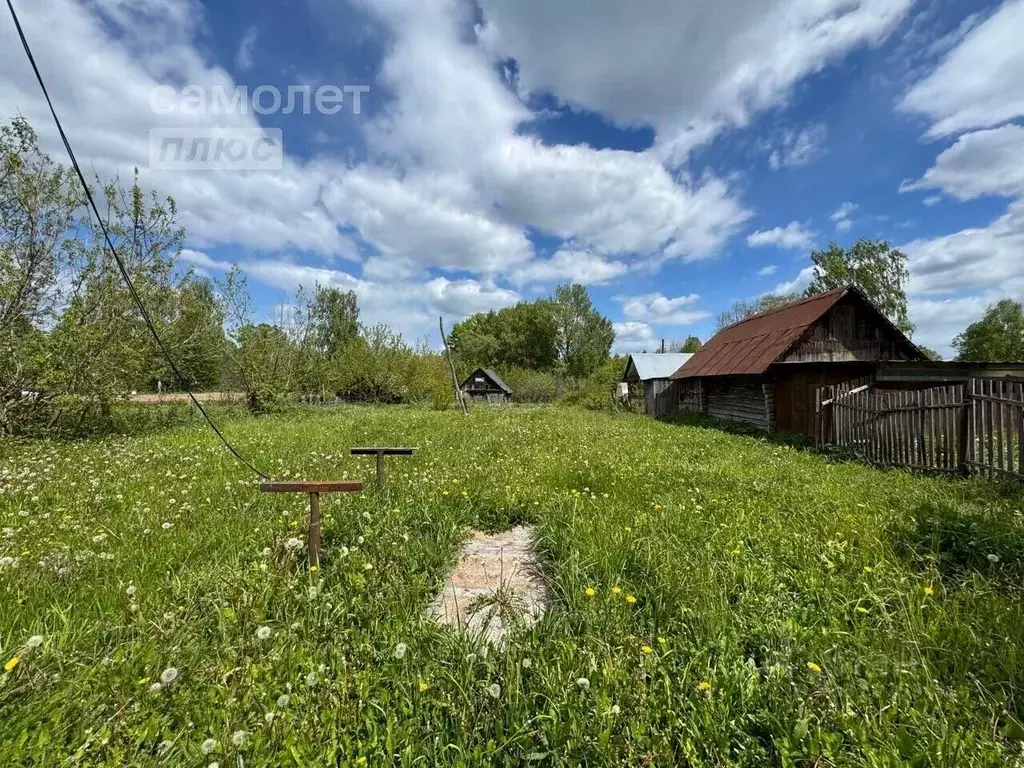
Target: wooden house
x: 767, y: 368
x: 486, y: 385
x: 651, y: 373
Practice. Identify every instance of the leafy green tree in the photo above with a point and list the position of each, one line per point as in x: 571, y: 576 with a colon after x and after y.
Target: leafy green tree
x: 583, y: 337
x: 998, y: 336
x: 196, y: 337
x: 741, y: 310
x: 879, y: 270
x: 334, y: 319
x: 691, y: 345
x: 520, y: 336
x: 931, y: 354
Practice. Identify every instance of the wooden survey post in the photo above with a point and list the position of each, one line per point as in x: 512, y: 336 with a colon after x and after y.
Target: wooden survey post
x: 380, y: 453
x: 314, y: 489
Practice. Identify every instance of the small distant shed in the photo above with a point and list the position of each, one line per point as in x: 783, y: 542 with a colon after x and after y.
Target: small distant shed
x: 485, y: 384
x: 652, y: 371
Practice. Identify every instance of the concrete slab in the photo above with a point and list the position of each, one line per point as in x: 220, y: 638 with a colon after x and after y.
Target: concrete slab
x: 496, y: 588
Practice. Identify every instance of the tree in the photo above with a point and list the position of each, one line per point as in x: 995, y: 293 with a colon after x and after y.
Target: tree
x: 583, y: 337
x: 931, y: 354
x: 522, y: 336
x: 196, y: 336
x: 741, y: 310
x: 998, y: 336
x: 879, y: 270
x: 691, y: 345
x: 334, y: 319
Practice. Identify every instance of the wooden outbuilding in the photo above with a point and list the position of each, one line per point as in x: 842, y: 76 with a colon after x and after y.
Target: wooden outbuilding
x: 766, y: 369
x: 651, y: 373
x: 486, y: 385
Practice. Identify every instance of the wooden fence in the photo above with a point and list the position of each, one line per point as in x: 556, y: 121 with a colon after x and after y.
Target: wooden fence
x: 977, y: 427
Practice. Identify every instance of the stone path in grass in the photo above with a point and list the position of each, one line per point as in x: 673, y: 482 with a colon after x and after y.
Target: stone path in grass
x: 496, y: 588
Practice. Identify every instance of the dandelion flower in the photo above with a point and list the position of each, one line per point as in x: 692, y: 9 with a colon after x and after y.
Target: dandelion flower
x: 238, y: 738
x: 368, y: 567
x: 616, y: 589
x: 282, y: 700
x: 615, y: 709
x: 12, y: 663
x: 343, y: 552
x: 208, y: 746
x: 647, y: 650
x: 130, y: 591
x: 494, y: 691
x: 400, y: 650
x: 424, y: 687
x: 313, y: 592
x: 164, y: 746
x: 527, y: 663
x: 169, y: 675
x: 992, y: 557
x: 312, y: 679
x: 590, y: 591
x: 704, y: 686
x: 156, y: 688
x: 34, y: 642
x: 214, y: 764
x: 630, y: 599
x: 582, y: 683
x: 868, y: 569
x: 267, y: 551
x: 929, y: 591
x: 814, y: 667
x: 268, y: 718
x: 264, y: 633
x: 862, y: 610
x: 167, y: 525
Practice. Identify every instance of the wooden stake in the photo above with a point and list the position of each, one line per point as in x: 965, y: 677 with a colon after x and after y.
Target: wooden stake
x: 313, y: 536
x: 314, y: 489
x: 455, y: 378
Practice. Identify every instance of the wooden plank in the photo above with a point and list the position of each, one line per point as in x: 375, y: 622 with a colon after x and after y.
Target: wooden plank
x: 990, y: 426
x: 997, y: 387
x: 385, y: 451
x: 977, y: 450
x: 929, y: 400
x: 299, y: 486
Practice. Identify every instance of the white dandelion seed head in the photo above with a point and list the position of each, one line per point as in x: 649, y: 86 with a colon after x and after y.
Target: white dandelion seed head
x: 293, y: 544
x: 312, y: 679
x: 268, y: 718
x: 583, y: 683
x: 169, y: 675
x: 313, y: 592
x: 167, y: 525
x: 6, y: 562
x: 164, y: 746
x: 264, y: 633
x: 238, y: 738
x: 208, y: 746
x: 400, y: 650
x: 131, y: 590
x: 360, y: 541
x: 494, y: 690
x: 35, y: 641
x: 368, y: 567
x: 343, y: 552
x: 993, y: 557
x: 615, y: 709
x: 527, y: 663
x: 267, y: 551
x: 282, y: 700
x: 214, y: 764
x: 156, y: 688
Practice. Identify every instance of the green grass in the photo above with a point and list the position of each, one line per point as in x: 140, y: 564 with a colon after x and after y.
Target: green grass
x: 798, y: 612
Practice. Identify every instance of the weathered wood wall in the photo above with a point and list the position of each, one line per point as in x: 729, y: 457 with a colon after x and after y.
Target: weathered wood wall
x: 661, y: 397
x: 850, y: 332
x: 691, y: 395
x: 737, y: 398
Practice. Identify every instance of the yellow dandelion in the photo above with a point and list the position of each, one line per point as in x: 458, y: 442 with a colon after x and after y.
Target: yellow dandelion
x: 630, y: 599
x: 868, y: 569
x: 647, y: 650
x: 814, y: 667
x: 861, y: 609
x: 314, y: 568
x: 143, y: 680
x: 657, y: 507
x: 360, y: 761
x: 424, y: 687
x: 616, y: 590
x: 12, y: 663
x: 590, y: 591
x: 929, y: 591
x: 704, y: 686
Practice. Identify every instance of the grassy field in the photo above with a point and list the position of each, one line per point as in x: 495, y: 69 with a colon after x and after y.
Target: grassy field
x: 717, y: 600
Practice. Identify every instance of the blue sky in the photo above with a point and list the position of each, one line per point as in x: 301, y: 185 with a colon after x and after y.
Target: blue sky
x: 673, y: 156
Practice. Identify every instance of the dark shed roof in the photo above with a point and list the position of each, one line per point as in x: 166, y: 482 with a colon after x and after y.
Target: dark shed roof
x: 491, y: 374
x: 754, y: 343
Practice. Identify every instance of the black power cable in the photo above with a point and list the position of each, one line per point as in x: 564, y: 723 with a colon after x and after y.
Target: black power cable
x: 113, y: 251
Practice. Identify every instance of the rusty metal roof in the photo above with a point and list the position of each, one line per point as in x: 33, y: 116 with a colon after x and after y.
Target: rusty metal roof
x: 751, y: 345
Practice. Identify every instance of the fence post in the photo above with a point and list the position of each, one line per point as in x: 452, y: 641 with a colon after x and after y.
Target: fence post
x: 965, y: 427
